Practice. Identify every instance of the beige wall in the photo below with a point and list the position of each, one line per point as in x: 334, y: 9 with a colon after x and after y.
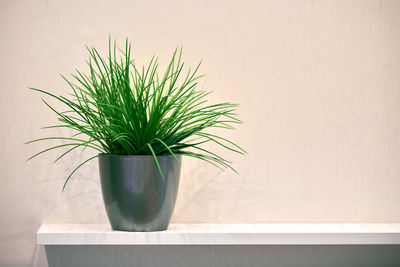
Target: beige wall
x: 319, y: 88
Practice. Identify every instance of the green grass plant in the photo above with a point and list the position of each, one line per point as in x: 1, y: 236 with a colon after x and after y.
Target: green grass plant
x: 119, y: 108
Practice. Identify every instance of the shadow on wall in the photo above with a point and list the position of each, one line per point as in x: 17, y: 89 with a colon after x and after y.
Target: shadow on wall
x: 178, y: 256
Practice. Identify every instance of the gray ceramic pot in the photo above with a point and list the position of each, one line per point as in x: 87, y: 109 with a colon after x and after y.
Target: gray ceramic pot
x: 135, y: 196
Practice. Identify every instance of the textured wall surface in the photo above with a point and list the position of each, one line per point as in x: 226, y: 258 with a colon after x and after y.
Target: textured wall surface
x: 319, y: 88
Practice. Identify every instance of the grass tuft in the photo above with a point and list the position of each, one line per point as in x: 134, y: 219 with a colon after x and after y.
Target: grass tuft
x: 122, y: 109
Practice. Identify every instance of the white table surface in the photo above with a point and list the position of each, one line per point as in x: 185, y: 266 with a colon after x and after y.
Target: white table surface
x: 223, y: 234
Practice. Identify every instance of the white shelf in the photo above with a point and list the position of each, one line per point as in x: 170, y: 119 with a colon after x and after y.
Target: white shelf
x: 223, y: 234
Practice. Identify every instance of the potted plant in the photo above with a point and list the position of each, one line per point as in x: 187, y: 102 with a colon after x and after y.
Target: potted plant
x: 141, y: 124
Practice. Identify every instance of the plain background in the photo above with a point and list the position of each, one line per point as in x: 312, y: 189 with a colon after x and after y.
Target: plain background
x: 318, y: 83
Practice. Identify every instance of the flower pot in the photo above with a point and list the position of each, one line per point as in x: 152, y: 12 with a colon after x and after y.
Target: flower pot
x: 136, y: 197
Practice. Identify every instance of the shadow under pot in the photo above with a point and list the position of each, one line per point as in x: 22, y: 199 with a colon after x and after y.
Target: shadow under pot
x: 135, y: 195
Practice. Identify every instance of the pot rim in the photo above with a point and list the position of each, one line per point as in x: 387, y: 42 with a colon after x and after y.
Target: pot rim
x: 137, y: 156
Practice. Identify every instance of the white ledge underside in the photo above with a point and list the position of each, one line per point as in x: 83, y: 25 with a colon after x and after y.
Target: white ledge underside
x: 224, y: 234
